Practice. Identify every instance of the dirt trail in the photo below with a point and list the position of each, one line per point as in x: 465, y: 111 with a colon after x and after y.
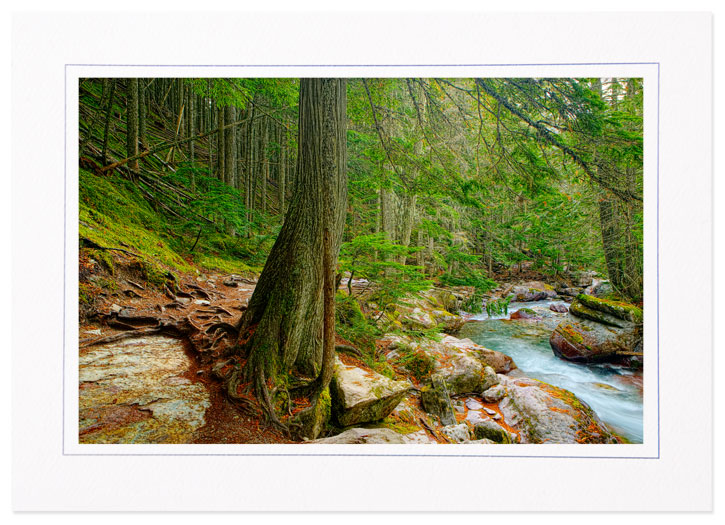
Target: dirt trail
x: 145, y: 361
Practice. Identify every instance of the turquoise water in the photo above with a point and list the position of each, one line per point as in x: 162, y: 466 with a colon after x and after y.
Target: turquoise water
x: 613, y: 392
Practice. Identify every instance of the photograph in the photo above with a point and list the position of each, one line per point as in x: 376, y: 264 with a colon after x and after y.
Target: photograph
x: 362, y: 260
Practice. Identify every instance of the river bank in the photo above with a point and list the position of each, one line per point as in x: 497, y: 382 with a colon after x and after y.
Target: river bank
x: 145, y: 351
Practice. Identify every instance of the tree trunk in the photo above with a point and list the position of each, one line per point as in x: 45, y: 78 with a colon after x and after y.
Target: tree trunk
x: 282, y: 170
x: 142, y: 112
x: 106, y: 126
x: 220, y: 145
x: 132, y: 122
x: 281, y: 332
x: 191, y: 126
x: 407, y: 216
x: 229, y: 151
x: 265, y: 164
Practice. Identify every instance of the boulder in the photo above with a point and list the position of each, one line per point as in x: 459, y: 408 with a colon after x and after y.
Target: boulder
x: 435, y: 400
x: 360, y: 396
x: 479, y: 442
x: 461, y: 373
x: 356, y: 436
x: 543, y: 413
x: 494, y: 394
x: 443, y: 299
x: 490, y: 378
x: 589, y: 342
x: 560, y: 308
x: 598, y: 330
x: 600, y: 289
x: 568, y: 291
x: 457, y: 433
x: 620, y: 310
x: 447, y: 321
x: 524, y: 313
x: 489, y: 429
x: 577, y: 309
x: 418, y: 319
x: 532, y: 291
x: 501, y: 363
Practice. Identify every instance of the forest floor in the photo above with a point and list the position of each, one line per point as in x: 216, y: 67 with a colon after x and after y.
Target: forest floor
x: 127, y: 308
x: 148, y: 342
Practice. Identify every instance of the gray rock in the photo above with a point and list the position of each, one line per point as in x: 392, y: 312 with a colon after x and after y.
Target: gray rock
x: 462, y: 374
x: 472, y: 404
x: 559, y: 308
x: 457, y: 433
x: 494, y: 394
x: 418, y: 319
x: 139, y: 393
x: 547, y: 414
x: 475, y: 417
x: 489, y: 411
x: 419, y: 437
x: 488, y: 429
x: 599, y: 288
x: 363, y: 436
x: 359, y: 396
x: 532, y: 291
x: 490, y: 378
x: 586, y: 341
x: 435, y: 400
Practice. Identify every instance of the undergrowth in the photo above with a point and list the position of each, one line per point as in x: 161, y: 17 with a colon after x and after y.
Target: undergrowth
x: 114, y: 213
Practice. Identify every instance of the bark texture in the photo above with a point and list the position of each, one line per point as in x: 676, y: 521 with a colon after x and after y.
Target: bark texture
x: 281, y: 332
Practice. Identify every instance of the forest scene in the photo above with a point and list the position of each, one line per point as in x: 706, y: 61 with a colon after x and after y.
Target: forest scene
x: 360, y: 260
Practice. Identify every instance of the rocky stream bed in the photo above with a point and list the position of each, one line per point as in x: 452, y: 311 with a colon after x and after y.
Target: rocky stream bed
x: 147, y: 359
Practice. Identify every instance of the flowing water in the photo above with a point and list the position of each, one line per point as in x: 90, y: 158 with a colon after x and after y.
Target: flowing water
x: 613, y: 392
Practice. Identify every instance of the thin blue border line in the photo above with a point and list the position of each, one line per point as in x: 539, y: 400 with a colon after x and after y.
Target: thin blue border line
x: 65, y: 227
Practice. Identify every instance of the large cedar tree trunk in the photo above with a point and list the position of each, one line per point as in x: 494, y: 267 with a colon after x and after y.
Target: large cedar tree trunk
x: 281, y: 332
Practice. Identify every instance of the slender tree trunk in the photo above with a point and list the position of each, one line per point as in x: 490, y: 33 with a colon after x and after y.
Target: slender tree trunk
x: 407, y: 216
x: 142, y: 112
x: 107, y: 125
x: 265, y: 164
x: 282, y: 171
x: 220, y: 145
x: 281, y: 332
x: 191, y: 126
x: 229, y: 151
x: 132, y: 123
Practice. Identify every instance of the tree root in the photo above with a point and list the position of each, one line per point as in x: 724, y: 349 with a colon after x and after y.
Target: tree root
x: 118, y: 337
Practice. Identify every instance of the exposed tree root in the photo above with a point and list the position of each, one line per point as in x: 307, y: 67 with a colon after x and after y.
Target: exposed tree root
x: 118, y: 337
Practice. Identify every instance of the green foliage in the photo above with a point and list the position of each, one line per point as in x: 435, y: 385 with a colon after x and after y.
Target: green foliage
x: 498, y: 306
x: 416, y: 361
x: 372, y: 257
x: 352, y: 325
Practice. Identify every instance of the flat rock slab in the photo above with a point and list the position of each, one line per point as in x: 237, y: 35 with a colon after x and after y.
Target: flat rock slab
x: 362, y: 396
x: 356, y: 436
x: 135, y: 391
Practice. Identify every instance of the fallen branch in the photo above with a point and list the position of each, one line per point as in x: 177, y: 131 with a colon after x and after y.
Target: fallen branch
x: 173, y: 144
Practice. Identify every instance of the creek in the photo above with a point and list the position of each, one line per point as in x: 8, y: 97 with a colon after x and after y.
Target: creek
x: 613, y: 392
